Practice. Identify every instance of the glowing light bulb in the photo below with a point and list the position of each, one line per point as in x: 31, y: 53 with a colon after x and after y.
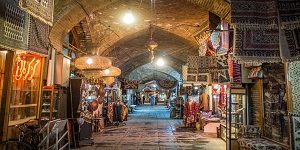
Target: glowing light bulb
x: 106, y: 71
x: 89, y: 61
x: 160, y: 62
x: 128, y: 18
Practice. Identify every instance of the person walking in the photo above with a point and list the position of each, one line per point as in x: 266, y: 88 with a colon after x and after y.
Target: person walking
x: 144, y: 99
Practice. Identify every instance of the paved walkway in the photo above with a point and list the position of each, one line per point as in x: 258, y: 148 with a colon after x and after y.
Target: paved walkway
x: 150, y: 128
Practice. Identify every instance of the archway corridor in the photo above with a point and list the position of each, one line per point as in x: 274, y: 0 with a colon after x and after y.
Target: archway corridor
x: 151, y: 128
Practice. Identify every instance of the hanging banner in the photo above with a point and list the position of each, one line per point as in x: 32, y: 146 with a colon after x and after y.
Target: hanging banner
x: 40, y: 9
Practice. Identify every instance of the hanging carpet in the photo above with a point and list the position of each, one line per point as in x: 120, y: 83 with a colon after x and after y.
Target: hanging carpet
x: 256, y: 31
x: 166, y: 84
x: 40, y: 9
x: 256, y: 45
x: 289, y: 12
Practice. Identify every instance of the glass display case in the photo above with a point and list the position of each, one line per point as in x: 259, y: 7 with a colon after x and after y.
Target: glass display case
x: 236, y: 115
x: 26, y: 88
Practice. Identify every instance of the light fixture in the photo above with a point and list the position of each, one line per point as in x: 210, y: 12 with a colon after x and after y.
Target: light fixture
x: 160, y: 62
x: 106, y: 71
x: 112, y: 72
x: 196, y: 87
x: 91, y: 66
x: 89, y: 61
x: 128, y: 18
x: 92, y: 62
x: 108, y: 80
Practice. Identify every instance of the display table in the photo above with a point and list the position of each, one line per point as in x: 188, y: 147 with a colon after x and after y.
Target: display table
x: 257, y: 144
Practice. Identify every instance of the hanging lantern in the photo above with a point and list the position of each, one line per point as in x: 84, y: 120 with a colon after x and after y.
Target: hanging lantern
x: 91, y: 73
x: 92, y: 62
x: 111, y: 72
x: 108, y: 80
x: 151, y: 45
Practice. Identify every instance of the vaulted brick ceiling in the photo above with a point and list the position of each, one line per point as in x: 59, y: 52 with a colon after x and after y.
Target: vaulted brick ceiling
x: 176, y: 24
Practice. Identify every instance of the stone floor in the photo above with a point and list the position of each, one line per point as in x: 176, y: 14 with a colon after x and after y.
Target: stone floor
x: 150, y: 128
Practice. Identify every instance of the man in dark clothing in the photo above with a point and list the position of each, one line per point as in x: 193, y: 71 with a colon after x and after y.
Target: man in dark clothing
x: 144, y: 99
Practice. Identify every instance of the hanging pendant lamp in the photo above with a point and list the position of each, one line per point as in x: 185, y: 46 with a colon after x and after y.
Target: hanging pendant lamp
x: 93, y: 62
x: 111, y: 72
x: 91, y: 66
x: 108, y: 80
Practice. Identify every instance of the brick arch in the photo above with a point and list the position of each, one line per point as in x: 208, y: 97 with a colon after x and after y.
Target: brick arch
x: 74, y: 11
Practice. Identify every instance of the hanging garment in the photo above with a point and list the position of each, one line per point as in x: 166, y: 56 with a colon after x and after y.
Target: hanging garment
x: 189, y: 113
x: 124, y: 113
x: 204, y: 100
x: 117, y: 112
x: 110, y: 114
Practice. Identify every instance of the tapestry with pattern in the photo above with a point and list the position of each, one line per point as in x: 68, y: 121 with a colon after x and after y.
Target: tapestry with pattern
x: 40, y: 9
x: 166, y: 84
x: 14, y: 25
x: 131, y: 84
x: 294, y: 79
x: 38, y: 36
x: 256, y: 46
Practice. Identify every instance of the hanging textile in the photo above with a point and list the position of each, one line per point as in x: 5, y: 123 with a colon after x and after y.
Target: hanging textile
x: 256, y: 30
x: 14, y: 25
x: 131, y: 84
x: 38, y: 36
x: 254, y: 14
x: 40, y: 9
x: 167, y: 84
x: 289, y: 33
x: 256, y: 46
x: 289, y: 12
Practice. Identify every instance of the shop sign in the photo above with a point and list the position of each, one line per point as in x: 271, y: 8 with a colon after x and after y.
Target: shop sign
x: 26, y: 69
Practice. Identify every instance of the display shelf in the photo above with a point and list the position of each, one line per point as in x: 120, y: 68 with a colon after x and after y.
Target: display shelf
x: 236, y: 114
x: 51, y: 98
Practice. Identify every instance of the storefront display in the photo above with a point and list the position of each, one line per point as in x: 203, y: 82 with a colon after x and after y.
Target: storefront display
x: 52, y: 96
x: 26, y: 88
x: 236, y: 115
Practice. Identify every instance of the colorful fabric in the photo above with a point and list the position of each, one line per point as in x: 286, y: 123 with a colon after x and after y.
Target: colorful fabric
x: 131, y: 84
x: 41, y: 9
x: 256, y: 46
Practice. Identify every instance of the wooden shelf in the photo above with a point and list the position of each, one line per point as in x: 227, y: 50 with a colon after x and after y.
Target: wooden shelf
x: 23, y: 106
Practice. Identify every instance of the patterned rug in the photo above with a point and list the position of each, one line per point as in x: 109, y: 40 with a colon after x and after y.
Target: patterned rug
x: 256, y: 30
x: 256, y: 46
x: 254, y: 14
x: 289, y: 12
